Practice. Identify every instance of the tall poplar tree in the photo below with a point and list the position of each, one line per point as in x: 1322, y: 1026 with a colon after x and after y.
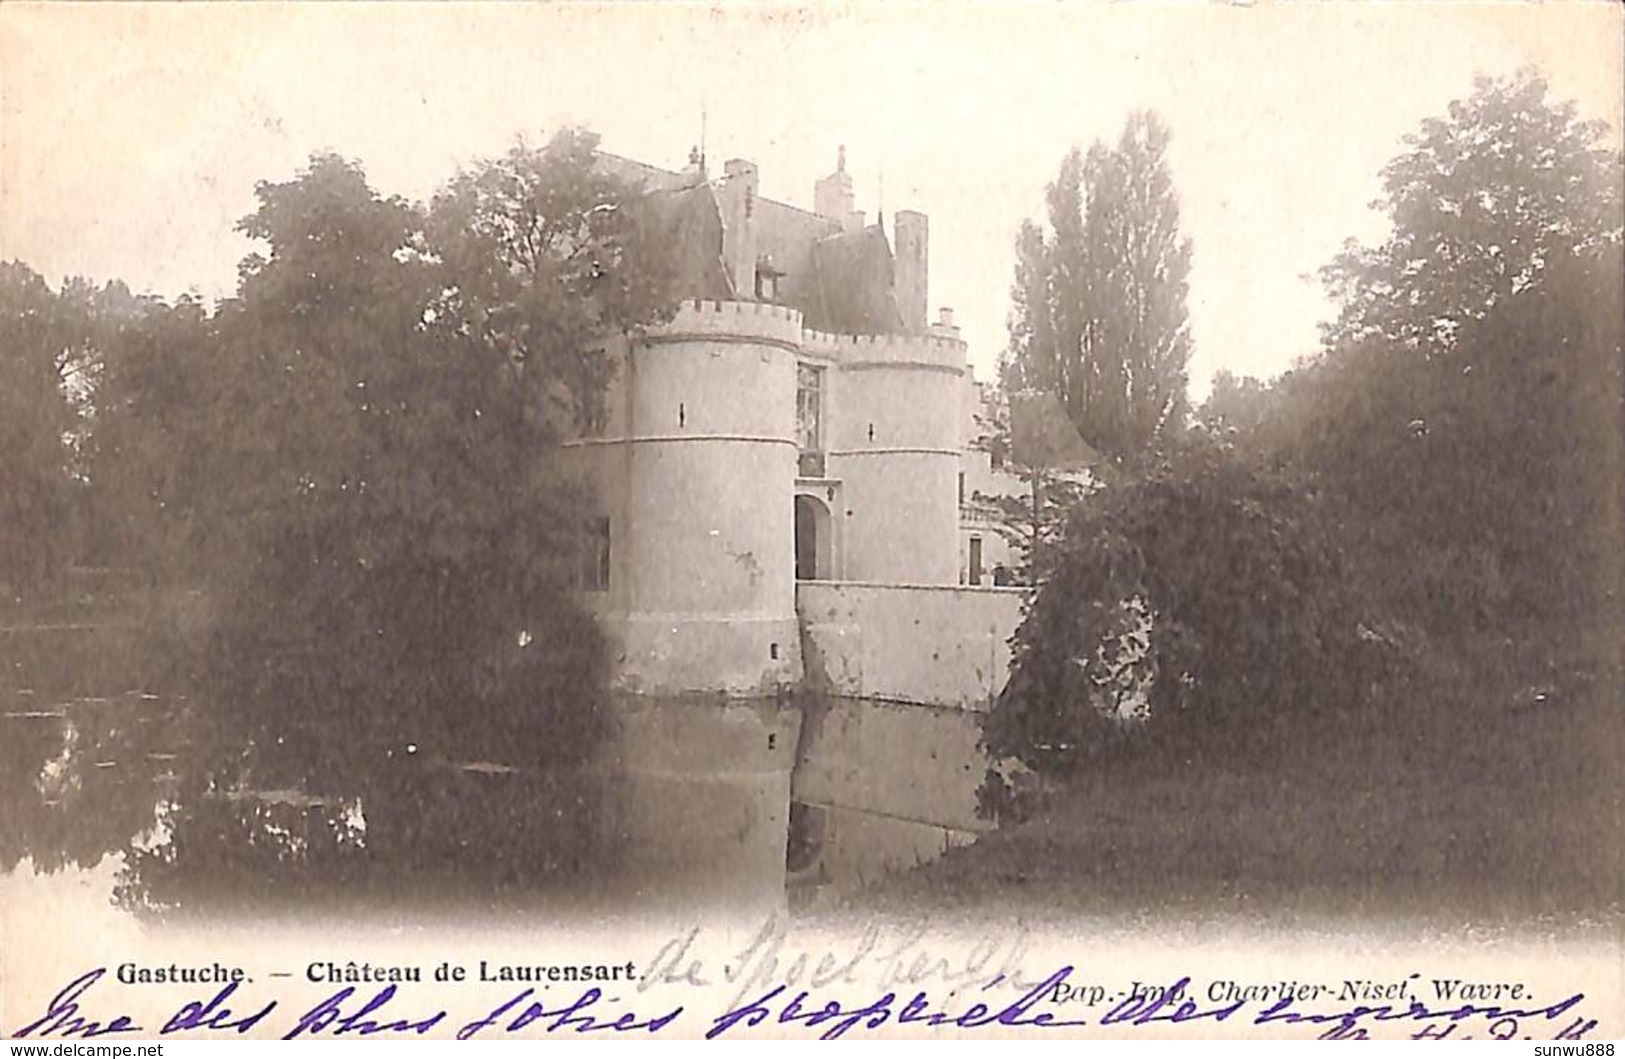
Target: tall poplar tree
x: 1099, y: 316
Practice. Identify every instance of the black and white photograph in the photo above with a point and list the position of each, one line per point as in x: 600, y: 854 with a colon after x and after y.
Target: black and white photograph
x: 1097, y: 521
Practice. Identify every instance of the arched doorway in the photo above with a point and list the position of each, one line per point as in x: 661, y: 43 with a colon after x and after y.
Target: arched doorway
x: 812, y: 539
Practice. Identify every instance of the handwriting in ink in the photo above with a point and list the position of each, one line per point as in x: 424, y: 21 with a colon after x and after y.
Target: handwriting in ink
x: 840, y: 1018
x: 213, y: 1014
x: 571, y: 1016
x: 329, y: 1015
x: 1147, y: 1007
x: 1344, y: 1024
x: 387, y: 1011
x: 62, y: 1015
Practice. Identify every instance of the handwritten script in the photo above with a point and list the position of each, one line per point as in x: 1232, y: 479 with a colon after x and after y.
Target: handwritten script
x: 835, y: 1010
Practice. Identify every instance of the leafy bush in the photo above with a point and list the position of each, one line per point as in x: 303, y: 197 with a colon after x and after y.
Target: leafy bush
x: 1199, y: 609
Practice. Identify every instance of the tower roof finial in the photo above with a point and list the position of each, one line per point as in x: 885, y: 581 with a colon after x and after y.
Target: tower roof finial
x: 840, y: 159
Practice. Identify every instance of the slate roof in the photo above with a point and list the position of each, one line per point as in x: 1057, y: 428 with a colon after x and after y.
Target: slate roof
x: 841, y: 281
x: 853, y: 280
x: 686, y: 220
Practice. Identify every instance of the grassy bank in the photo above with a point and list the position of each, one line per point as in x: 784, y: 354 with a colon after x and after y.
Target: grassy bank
x: 1488, y: 790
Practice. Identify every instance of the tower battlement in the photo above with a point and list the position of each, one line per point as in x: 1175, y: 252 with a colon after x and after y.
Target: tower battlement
x: 934, y: 350
x: 738, y: 320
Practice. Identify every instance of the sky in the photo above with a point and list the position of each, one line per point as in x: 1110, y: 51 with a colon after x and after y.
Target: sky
x: 131, y: 136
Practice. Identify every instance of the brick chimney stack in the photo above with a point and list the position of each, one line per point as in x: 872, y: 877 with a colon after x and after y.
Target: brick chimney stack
x: 737, y: 200
x: 912, y: 249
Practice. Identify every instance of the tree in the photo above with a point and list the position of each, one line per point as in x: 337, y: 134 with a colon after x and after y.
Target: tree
x: 39, y: 337
x: 1098, y: 304
x: 545, y: 256
x: 1483, y: 202
x: 1239, y: 404
x: 391, y: 558
x: 1199, y: 608
x: 151, y: 459
x: 1453, y: 457
x: 1466, y: 410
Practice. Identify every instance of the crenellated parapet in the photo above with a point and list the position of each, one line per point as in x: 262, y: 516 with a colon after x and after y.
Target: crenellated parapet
x: 704, y: 318
x: 858, y: 351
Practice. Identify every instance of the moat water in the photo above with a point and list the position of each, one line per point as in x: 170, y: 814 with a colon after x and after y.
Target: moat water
x: 116, y: 785
x: 111, y: 788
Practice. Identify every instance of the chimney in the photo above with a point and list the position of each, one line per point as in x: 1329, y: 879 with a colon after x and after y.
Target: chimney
x: 832, y: 196
x: 945, y: 317
x: 912, y: 255
x: 737, y: 203
x: 695, y: 170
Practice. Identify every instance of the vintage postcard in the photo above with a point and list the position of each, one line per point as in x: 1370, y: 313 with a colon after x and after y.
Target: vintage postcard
x: 536, y: 521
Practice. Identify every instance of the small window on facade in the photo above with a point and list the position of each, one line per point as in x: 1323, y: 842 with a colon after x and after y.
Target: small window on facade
x: 961, y: 488
x: 594, y: 574
x: 810, y: 408
x: 593, y: 411
x: 976, y: 560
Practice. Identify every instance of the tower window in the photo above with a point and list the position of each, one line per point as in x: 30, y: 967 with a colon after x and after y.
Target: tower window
x: 810, y: 408
x: 594, y: 572
x: 592, y: 411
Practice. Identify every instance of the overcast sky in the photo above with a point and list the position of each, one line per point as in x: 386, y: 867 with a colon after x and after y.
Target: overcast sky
x: 131, y: 137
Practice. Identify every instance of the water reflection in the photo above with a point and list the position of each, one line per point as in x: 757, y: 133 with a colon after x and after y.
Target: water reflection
x: 127, y: 781
x: 82, y: 777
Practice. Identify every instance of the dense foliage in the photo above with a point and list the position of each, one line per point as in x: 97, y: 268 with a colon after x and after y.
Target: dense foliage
x: 390, y: 548
x: 1449, y: 462
x: 341, y: 486
x: 43, y: 335
x: 1464, y: 417
x: 1196, y: 608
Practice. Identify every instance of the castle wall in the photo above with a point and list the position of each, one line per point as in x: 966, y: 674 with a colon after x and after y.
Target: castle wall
x: 695, y: 470
x: 893, y: 439
x: 926, y: 644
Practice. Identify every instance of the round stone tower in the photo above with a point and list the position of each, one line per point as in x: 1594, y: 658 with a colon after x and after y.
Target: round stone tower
x: 695, y: 468
x: 895, y: 447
